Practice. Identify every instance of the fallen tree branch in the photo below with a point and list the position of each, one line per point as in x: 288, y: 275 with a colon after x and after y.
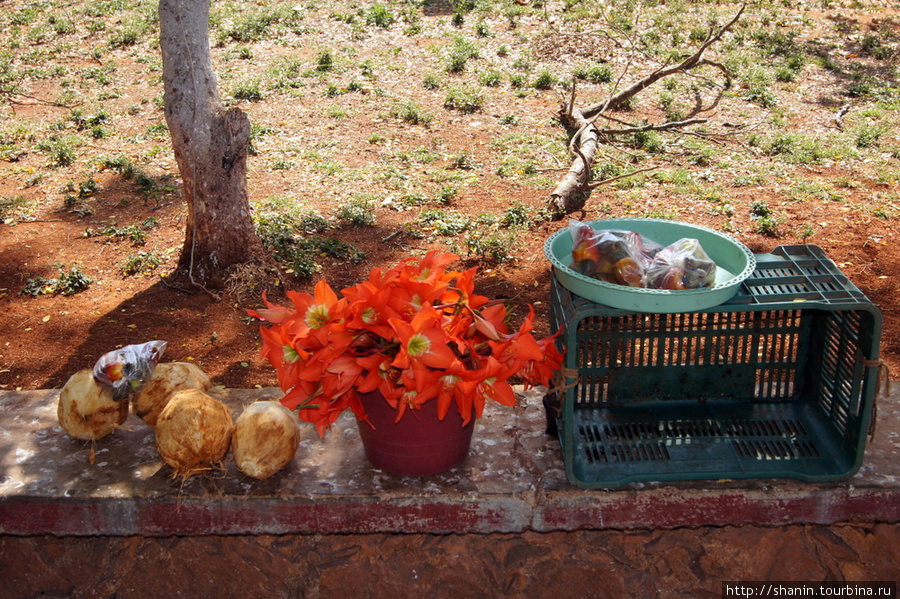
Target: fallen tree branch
x: 584, y: 146
x: 571, y: 192
x: 11, y: 97
x: 654, y: 127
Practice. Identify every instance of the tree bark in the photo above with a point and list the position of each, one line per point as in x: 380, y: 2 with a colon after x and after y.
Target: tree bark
x: 211, y: 146
x: 571, y: 193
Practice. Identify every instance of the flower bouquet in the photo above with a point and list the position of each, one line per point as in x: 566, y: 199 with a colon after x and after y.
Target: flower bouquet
x: 416, y: 333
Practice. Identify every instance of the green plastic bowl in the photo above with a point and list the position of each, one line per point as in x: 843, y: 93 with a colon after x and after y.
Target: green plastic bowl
x: 734, y: 263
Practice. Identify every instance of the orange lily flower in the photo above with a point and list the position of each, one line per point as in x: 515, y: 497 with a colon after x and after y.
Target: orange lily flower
x: 272, y: 312
x: 422, y: 340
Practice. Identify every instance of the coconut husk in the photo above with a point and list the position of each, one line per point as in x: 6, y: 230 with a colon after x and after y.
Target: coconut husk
x: 266, y: 437
x: 87, y: 410
x: 167, y: 379
x: 193, y: 432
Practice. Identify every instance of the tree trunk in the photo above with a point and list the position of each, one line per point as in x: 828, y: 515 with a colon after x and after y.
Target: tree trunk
x: 210, y: 145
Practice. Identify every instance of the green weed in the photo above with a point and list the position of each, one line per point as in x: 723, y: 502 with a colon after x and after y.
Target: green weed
x: 410, y: 112
x: 881, y: 212
x: 38, y: 286
x: 462, y: 161
x: 517, y: 216
x: 276, y: 231
x: 518, y: 80
x: 805, y: 232
x: 380, y: 16
x: 60, y: 150
x: 491, y: 78
x: 336, y: 112
x: 332, y: 247
x: 765, y: 219
x: 132, y: 31
x: 13, y: 208
x: 873, y: 45
x: 367, y: 70
x: 287, y: 74
x: 448, y: 223
x: 795, y: 148
x: 759, y: 209
x: 464, y: 99
x: 356, y: 213
x: 325, y: 62
x: 461, y: 52
x: 136, y: 234
x: 490, y: 245
x: 868, y: 136
x: 310, y: 221
x: 431, y: 81
x: 545, y: 80
x: 141, y: 263
x: 594, y: 73
x: 248, y: 90
x: 649, y: 141
x: 768, y: 226
x: 660, y: 213
x: 751, y: 180
x: 482, y: 29
x: 511, y: 166
x: 282, y: 234
x: 255, y: 26
x: 69, y: 282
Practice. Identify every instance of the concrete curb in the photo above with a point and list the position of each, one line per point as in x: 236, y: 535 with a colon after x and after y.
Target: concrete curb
x: 513, y: 481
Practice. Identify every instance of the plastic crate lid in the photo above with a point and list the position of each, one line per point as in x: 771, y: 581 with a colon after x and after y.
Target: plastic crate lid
x: 734, y: 263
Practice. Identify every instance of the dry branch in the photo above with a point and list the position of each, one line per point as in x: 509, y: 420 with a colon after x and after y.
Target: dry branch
x: 570, y: 193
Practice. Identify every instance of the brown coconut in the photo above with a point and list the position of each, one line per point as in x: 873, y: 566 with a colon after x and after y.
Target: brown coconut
x: 193, y: 432
x: 166, y: 380
x: 87, y: 410
x: 266, y: 437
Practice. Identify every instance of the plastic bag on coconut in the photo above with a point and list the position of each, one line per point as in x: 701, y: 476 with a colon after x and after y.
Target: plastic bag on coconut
x: 124, y: 370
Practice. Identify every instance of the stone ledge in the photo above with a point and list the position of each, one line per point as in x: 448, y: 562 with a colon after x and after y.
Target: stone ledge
x: 513, y: 481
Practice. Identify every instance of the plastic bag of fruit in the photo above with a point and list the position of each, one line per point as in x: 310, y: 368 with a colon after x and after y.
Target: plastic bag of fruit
x: 124, y: 370
x: 609, y: 255
x: 681, y: 265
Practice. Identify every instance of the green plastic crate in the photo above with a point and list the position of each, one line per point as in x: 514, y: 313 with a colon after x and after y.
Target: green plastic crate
x: 778, y: 382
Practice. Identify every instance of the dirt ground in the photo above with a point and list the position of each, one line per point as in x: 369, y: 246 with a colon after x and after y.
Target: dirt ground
x: 323, y: 144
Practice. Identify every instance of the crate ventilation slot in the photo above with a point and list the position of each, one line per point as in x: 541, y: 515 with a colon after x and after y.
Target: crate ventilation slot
x: 776, y: 439
x: 776, y: 449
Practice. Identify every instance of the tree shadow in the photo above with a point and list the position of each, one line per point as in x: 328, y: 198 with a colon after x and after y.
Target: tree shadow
x: 856, y: 65
x: 157, y: 312
x: 217, y: 335
x: 438, y: 8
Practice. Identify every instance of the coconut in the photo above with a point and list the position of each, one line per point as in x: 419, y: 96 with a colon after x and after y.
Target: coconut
x: 167, y: 379
x: 193, y: 432
x: 87, y: 410
x: 266, y: 437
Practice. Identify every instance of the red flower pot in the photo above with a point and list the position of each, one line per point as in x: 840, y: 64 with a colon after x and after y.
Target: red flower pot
x: 420, y: 444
